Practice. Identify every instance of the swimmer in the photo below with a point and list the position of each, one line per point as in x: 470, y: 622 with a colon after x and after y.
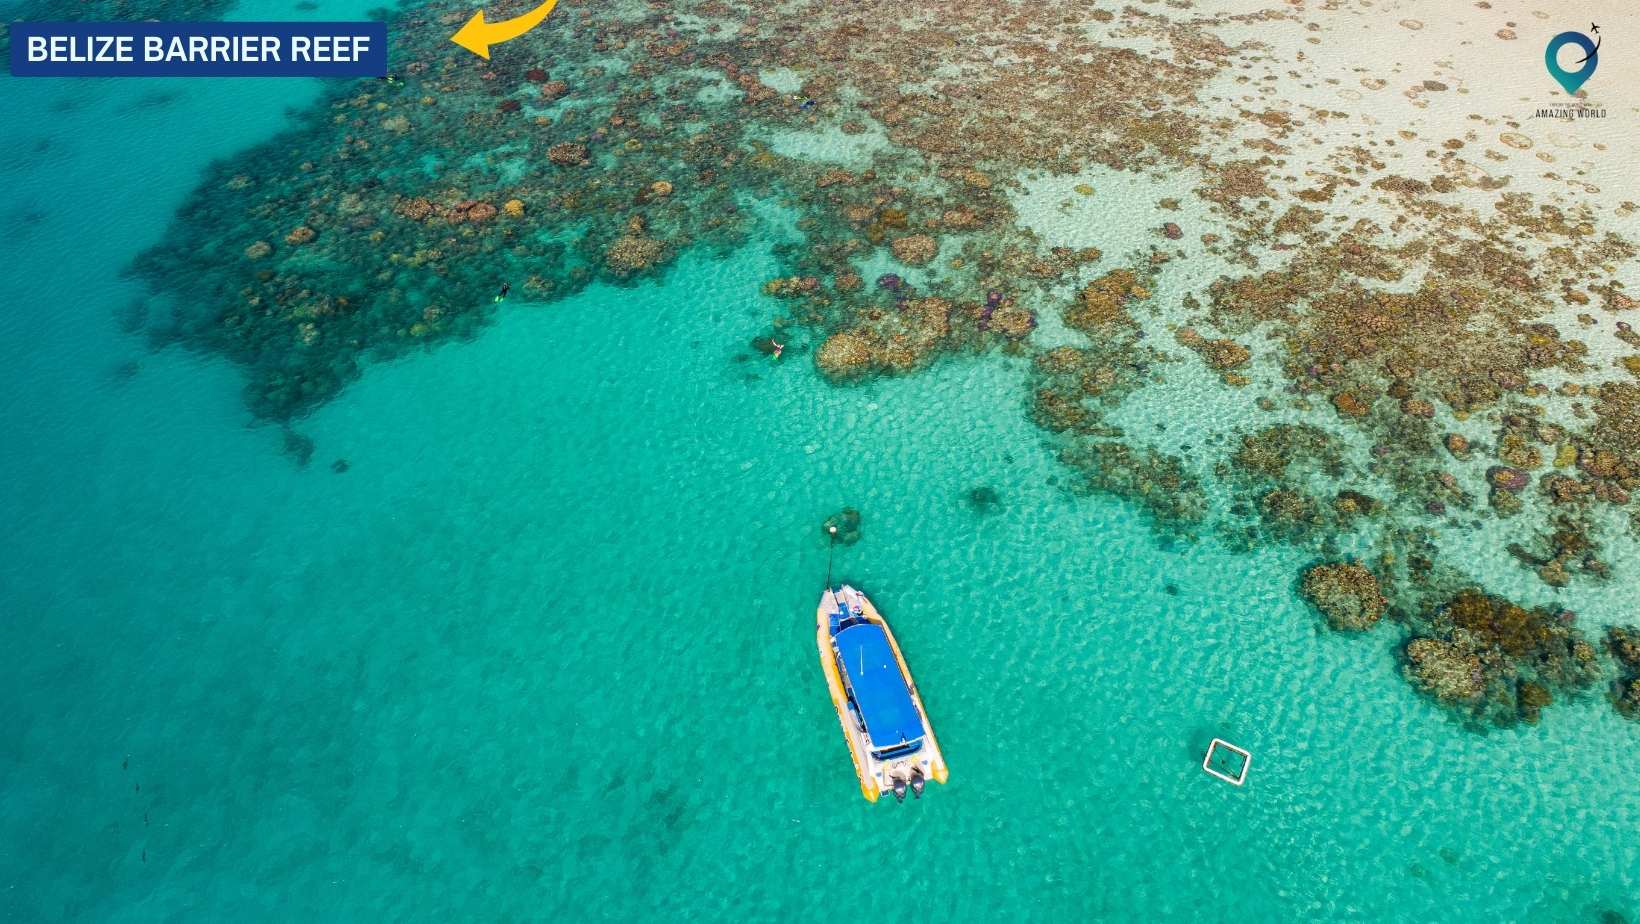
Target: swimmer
x: 778, y: 348
x: 505, y: 288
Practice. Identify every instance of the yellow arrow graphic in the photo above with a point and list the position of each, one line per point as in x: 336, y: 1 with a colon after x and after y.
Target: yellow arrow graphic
x: 477, y: 35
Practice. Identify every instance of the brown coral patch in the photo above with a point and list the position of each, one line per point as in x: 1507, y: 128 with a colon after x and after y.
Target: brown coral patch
x: 845, y: 355
x: 915, y: 249
x: 1102, y: 303
x: 1346, y: 593
x: 568, y: 154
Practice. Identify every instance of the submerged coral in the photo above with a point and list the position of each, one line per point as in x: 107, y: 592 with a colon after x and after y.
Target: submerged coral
x: 842, y: 527
x: 1624, y: 644
x: 1346, y: 593
x: 1446, y: 670
x: 1420, y: 376
x: 983, y: 499
x: 1500, y: 660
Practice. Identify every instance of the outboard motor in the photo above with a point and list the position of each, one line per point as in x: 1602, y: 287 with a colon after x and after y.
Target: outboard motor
x: 917, y: 782
x: 899, y: 789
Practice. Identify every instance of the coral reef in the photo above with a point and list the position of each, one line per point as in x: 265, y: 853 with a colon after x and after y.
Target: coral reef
x: 1220, y: 355
x: 842, y: 527
x: 633, y: 252
x: 844, y: 355
x: 983, y: 499
x: 915, y: 249
x: 1446, y: 670
x: 1346, y: 593
x: 1102, y: 304
x: 889, y: 342
x: 1422, y: 374
x: 298, y: 446
x: 1624, y: 644
x: 1500, y: 660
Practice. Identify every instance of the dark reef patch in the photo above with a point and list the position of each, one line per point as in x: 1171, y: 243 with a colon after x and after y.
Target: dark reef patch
x: 1414, y: 376
x: 842, y: 527
x: 983, y: 499
x: 1498, y: 661
x: 1624, y: 644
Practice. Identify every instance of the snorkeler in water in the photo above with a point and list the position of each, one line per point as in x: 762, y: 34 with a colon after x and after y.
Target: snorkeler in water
x: 505, y: 288
x: 778, y: 348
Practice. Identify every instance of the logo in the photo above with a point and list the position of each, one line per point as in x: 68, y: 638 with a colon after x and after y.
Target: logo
x: 1570, y: 81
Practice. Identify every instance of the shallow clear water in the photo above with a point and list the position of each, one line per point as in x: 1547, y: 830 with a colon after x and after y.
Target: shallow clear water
x: 545, y: 650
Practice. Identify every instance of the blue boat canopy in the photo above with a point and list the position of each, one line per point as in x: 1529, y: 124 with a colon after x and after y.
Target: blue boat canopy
x: 879, y: 688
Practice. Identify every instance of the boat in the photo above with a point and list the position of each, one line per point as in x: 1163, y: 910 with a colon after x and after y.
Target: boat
x: 877, y: 703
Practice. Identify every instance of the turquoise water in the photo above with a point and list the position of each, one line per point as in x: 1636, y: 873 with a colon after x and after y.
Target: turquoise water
x: 545, y: 650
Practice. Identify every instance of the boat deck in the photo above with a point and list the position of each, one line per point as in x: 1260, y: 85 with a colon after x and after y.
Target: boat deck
x: 887, y: 693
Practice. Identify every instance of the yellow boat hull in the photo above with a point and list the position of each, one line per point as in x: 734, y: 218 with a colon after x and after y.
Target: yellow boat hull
x: 874, y: 775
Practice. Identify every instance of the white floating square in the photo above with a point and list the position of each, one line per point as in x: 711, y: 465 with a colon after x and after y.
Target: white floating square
x: 1240, y: 775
